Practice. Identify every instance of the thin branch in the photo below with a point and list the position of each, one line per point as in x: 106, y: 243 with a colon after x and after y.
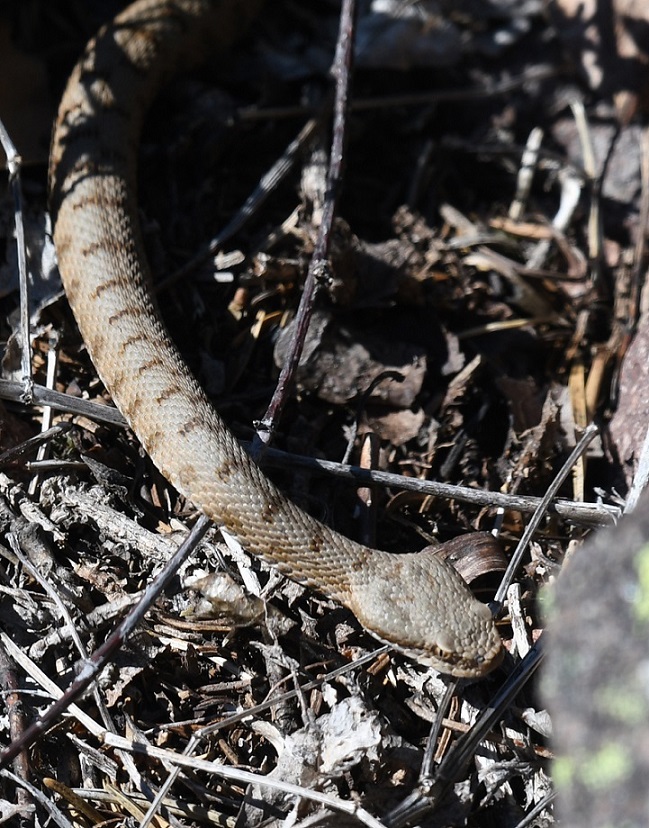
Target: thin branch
x: 318, y: 273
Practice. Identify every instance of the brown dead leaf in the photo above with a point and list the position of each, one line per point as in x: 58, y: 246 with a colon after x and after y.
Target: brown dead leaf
x: 628, y: 426
x: 340, y: 361
x: 397, y: 427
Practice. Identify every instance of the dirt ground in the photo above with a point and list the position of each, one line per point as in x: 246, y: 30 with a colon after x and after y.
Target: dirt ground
x: 481, y: 307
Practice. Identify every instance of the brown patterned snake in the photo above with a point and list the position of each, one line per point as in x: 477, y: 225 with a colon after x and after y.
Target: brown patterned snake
x: 416, y: 602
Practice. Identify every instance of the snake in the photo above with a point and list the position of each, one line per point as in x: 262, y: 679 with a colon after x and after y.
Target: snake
x: 416, y: 602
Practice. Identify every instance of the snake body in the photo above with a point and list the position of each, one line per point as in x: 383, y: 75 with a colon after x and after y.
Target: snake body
x: 414, y: 601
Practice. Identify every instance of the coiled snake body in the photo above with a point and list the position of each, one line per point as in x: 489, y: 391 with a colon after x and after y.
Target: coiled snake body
x: 416, y: 602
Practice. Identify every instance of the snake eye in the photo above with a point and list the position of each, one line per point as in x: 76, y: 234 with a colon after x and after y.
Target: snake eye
x: 441, y: 655
x: 446, y: 645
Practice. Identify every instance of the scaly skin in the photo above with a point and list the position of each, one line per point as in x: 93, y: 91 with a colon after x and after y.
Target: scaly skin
x: 416, y: 602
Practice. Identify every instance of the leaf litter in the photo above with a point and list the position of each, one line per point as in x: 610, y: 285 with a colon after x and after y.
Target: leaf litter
x: 474, y: 322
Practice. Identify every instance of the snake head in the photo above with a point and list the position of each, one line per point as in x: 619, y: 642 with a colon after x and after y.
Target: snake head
x: 419, y: 604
